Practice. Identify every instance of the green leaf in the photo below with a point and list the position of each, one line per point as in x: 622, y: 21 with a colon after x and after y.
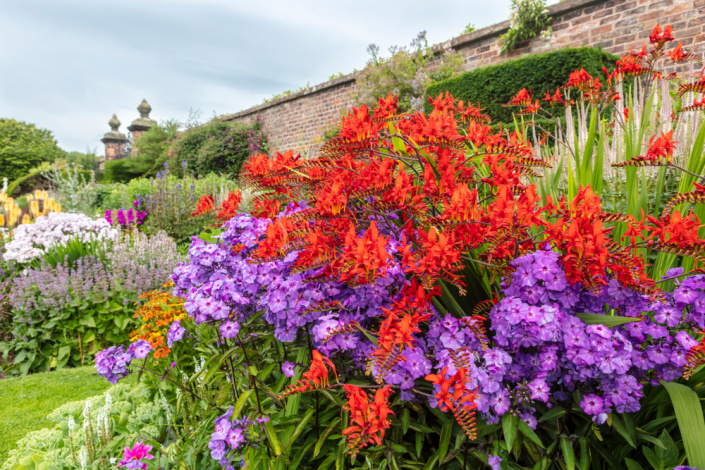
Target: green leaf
x: 240, y: 403
x: 609, y: 321
x: 272, y: 438
x: 88, y: 321
x: 300, y: 428
x: 510, y: 426
x: 622, y: 430
x: 528, y: 432
x: 445, y: 440
x: 632, y: 465
x: 651, y: 458
x: 405, y: 420
x: 554, y: 413
x: 568, y: 453
x: 689, y: 414
x: 323, y: 437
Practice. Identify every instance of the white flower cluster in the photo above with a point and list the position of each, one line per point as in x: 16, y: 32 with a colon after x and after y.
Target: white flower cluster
x: 32, y: 240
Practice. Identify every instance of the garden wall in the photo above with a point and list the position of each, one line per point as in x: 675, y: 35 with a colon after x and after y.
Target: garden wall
x: 298, y: 121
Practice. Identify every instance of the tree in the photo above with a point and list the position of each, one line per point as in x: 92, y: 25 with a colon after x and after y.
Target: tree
x: 153, y: 148
x: 24, y: 146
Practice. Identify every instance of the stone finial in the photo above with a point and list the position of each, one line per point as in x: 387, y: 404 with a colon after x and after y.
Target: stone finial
x: 114, y: 123
x: 114, y: 135
x: 144, y: 108
x: 142, y: 123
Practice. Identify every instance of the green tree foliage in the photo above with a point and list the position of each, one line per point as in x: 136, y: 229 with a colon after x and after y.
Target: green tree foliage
x: 217, y: 147
x: 86, y: 161
x: 24, y: 146
x: 405, y: 73
x: 495, y: 85
x: 153, y: 148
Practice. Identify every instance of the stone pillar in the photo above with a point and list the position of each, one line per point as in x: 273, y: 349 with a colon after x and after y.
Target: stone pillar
x: 141, y: 124
x: 115, y: 141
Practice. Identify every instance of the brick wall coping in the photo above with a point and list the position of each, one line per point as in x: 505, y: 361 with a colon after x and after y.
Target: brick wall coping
x: 558, y: 9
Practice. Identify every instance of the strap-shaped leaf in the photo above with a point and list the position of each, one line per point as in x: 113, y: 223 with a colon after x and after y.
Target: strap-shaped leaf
x: 609, y: 321
x: 689, y: 414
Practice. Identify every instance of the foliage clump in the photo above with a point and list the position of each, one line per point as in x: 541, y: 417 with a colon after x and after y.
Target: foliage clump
x: 406, y: 73
x: 529, y: 18
x: 24, y: 146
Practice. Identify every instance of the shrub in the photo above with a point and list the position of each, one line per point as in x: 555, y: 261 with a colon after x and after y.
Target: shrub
x: 217, y: 147
x: 406, y: 73
x: 118, y: 171
x: 495, y: 85
x: 528, y: 19
x: 24, y: 146
x: 152, y: 148
x: 63, y: 314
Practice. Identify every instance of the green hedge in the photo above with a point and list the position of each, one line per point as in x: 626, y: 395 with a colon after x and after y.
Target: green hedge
x: 116, y: 171
x: 495, y: 85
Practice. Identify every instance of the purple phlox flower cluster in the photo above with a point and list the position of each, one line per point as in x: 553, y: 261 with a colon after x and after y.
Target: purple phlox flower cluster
x: 222, y: 285
x: 175, y: 333
x: 494, y: 461
x: 124, y: 217
x: 112, y: 362
x: 545, y: 351
x: 229, y: 436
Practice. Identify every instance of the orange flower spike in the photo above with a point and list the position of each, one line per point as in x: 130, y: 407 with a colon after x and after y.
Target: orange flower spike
x: 230, y: 205
x: 204, y: 206
x: 331, y: 199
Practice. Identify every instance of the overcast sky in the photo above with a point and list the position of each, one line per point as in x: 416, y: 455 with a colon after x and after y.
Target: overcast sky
x: 68, y: 65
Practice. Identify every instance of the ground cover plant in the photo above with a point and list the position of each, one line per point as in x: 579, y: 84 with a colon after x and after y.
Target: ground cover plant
x: 414, y: 298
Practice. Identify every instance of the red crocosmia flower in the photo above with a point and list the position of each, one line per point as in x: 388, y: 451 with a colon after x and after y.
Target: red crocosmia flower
x: 658, y: 38
x: 315, y: 378
x: 331, y: 199
x: 626, y: 113
x: 387, y: 107
x: 674, y: 229
x: 442, y: 103
x: 677, y: 54
x: 363, y: 259
x: 266, y: 208
x: 205, y: 205
x: 230, y: 205
x: 554, y: 99
x: 522, y: 98
x: 662, y: 147
x: 368, y: 421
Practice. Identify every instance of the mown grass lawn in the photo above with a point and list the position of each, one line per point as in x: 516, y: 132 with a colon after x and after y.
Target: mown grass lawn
x: 26, y: 401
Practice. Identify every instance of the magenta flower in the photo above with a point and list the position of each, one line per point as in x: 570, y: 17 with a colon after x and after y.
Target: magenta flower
x: 133, y: 456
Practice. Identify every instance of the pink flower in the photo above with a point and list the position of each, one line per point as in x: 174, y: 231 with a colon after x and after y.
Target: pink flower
x: 133, y: 456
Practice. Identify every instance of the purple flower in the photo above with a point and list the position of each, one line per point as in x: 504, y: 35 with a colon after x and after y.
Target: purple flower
x: 539, y: 390
x: 140, y: 349
x: 288, y: 369
x: 175, y: 333
x: 494, y: 462
x: 230, y: 329
x: 112, y: 363
x: 591, y: 404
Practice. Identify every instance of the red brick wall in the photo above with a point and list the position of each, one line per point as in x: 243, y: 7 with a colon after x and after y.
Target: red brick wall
x: 298, y: 121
